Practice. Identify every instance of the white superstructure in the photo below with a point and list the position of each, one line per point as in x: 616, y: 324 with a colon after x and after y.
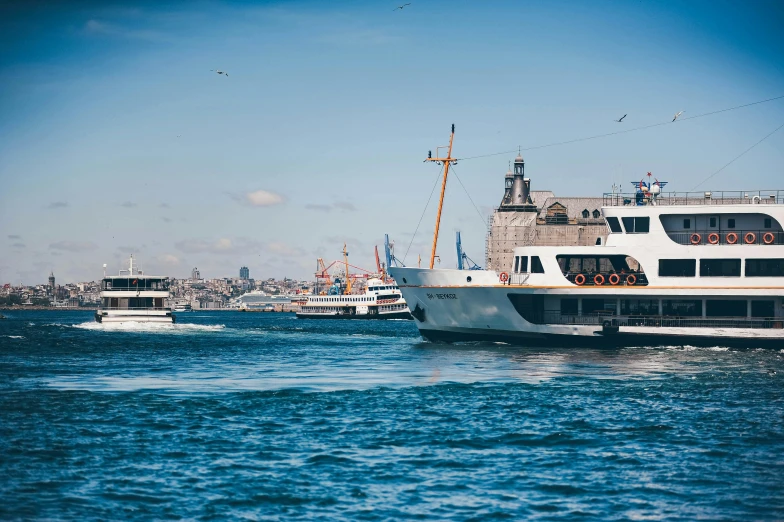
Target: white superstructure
x: 692, y: 268
x: 381, y: 300
x: 133, y: 296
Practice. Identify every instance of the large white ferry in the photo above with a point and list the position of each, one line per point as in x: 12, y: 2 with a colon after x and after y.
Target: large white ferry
x: 133, y: 296
x: 674, y: 268
x: 381, y: 300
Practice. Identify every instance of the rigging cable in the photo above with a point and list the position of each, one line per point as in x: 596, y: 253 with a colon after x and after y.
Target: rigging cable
x: 422, y: 216
x: 469, y: 197
x: 738, y: 156
x: 624, y: 131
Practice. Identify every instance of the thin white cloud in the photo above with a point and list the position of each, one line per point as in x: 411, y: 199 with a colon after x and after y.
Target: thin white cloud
x: 222, y: 245
x: 74, y: 246
x: 19, y: 245
x: 58, y: 204
x: 263, y: 198
x: 170, y: 260
x: 128, y: 204
x: 14, y: 236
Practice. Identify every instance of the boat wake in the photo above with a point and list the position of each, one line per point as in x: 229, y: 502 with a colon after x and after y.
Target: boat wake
x: 132, y: 326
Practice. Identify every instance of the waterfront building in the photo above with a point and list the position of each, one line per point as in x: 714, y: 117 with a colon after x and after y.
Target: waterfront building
x: 244, y: 273
x: 528, y: 217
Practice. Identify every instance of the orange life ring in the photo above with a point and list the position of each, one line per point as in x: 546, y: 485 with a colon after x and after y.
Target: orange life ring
x: 732, y: 238
x: 504, y: 277
x: 579, y: 280
x: 750, y: 238
x: 713, y: 238
x: 614, y: 279
x: 598, y: 279
x: 631, y: 279
x: 768, y: 238
x: 696, y: 239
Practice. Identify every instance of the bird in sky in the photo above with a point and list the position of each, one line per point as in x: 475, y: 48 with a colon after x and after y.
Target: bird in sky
x: 620, y: 120
x: 677, y: 115
x: 400, y: 7
x: 220, y: 72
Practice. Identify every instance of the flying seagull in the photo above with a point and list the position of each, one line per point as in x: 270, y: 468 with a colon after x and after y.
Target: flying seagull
x: 220, y: 72
x: 621, y: 118
x: 677, y: 115
x: 400, y: 7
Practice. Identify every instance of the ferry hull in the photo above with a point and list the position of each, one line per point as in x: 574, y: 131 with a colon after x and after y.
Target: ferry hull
x: 138, y: 318
x: 599, y: 340
x: 391, y: 315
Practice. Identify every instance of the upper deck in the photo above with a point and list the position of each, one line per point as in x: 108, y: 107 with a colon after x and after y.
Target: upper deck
x: 724, y: 197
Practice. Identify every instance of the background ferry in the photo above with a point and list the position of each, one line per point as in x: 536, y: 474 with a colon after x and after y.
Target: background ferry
x: 134, y: 296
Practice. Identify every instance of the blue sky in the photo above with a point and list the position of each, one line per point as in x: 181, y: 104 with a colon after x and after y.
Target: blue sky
x: 115, y: 137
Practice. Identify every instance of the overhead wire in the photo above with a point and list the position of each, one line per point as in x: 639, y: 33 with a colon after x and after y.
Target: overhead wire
x: 625, y: 131
x: 739, y: 155
x: 422, y: 216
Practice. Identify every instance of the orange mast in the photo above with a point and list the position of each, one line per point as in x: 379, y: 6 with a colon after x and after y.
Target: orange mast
x: 449, y: 160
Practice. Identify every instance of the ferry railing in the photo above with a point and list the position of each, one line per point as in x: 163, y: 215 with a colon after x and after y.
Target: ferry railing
x: 725, y: 237
x: 662, y: 321
x: 724, y: 197
x: 151, y: 308
x: 518, y: 279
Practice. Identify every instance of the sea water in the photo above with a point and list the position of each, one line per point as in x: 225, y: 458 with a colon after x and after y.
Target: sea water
x: 266, y: 416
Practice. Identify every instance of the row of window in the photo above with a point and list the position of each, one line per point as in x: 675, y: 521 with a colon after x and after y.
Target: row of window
x: 768, y: 223
x: 721, y: 267
x: 596, y: 214
x: 633, y: 225
x: 347, y: 299
x: 521, y: 265
x: 671, y: 307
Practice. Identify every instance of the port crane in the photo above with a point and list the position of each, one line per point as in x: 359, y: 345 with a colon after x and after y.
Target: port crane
x: 342, y: 279
x: 463, y: 261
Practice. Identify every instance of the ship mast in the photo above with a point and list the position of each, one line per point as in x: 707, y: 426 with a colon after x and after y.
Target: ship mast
x: 345, y: 261
x: 449, y: 160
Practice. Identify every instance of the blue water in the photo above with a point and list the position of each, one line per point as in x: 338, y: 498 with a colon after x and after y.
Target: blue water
x: 264, y: 416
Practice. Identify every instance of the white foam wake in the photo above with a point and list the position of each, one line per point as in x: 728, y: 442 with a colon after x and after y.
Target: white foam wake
x: 133, y: 326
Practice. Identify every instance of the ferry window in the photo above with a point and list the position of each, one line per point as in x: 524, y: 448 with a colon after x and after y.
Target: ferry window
x: 598, y: 241
x: 719, y: 267
x: 636, y: 225
x: 731, y: 223
x: 568, y: 306
x: 524, y: 264
x: 536, y: 265
x: 765, y: 268
x: 763, y: 308
x: 687, y: 223
x: 690, y: 308
x: 615, y: 227
x: 517, y: 264
x: 599, y: 306
x: 767, y: 222
x: 725, y: 308
x: 712, y: 222
x: 677, y: 267
x: 639, y: 307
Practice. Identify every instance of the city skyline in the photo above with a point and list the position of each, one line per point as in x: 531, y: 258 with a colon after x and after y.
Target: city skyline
x: 118, y: 138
